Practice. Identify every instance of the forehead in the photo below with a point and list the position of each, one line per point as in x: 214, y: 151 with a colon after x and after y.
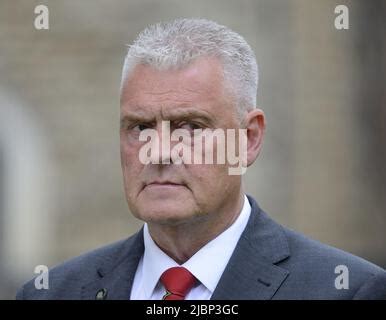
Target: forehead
x: 198, y: 85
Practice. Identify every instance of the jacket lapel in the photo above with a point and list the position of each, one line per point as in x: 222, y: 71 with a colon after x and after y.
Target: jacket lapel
x: 115, y: 277
x: 252, y: 273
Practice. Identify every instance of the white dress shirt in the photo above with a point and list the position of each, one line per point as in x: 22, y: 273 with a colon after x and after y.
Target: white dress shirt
x: 207, y: 264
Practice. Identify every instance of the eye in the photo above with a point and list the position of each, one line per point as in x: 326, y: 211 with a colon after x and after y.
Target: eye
x: 189, y: 126
x: 141, y: 127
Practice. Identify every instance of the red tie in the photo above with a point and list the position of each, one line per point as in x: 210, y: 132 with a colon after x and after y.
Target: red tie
x: 177, y: 281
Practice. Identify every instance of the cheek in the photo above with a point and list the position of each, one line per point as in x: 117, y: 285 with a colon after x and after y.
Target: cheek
x: 129, y: 152
x: 211, y: 185
x: 131, y: 166
x: 205, y: 178
x: 124, y: 148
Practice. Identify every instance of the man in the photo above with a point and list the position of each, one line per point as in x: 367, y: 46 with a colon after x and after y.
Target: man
x: 203, y: 238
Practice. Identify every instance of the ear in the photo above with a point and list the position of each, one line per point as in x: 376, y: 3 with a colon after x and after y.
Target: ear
x: 254, y: 122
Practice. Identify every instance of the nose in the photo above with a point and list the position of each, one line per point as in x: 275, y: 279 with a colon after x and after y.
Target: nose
x: 162, y: 154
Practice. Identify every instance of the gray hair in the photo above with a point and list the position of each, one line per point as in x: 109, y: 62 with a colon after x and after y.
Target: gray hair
x: 176, y: 43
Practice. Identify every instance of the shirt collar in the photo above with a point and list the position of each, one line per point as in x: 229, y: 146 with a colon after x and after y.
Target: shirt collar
x: 215, y: 254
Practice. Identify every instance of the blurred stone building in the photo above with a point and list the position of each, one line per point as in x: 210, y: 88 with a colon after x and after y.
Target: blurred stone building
x: 322, y: 169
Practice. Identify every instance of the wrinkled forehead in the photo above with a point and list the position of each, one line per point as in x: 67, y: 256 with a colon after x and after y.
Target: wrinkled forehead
x: 200, y: 85
x: 202, y: 76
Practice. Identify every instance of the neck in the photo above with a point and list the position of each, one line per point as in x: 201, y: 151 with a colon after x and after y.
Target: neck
x: 182, y: 241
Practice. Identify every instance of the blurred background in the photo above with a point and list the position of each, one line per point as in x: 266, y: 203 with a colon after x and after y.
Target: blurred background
x: 322, y: 168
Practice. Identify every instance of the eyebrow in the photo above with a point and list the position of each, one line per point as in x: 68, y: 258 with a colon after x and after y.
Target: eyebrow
x: 135, y: 117
x: 172, y: 115
x: 188, y: 113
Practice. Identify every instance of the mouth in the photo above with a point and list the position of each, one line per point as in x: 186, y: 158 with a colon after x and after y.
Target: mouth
x: 163, y: 185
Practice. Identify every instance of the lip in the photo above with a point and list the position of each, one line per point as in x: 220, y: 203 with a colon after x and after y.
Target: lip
x: 164, y: 184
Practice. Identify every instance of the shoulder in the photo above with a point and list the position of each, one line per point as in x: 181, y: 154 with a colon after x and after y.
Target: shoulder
x: 314, y: 270
x: 331, y: 272
x: 320, y: 255
x: 72, y: 274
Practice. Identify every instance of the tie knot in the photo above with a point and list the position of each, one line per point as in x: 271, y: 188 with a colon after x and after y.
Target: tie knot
x: 178, y: 281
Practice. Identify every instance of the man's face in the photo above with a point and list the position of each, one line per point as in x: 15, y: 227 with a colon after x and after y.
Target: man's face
x: 190, y: 98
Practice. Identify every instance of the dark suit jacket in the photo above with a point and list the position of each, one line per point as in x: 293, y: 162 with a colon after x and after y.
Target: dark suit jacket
x: 269, y: 262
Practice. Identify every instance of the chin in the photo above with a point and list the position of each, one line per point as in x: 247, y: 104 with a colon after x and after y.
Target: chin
x: 165, y: 212
x: 164, y: 205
